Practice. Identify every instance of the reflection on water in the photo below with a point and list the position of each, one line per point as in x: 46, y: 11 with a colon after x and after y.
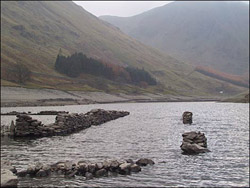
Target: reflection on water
x: 152, y: 130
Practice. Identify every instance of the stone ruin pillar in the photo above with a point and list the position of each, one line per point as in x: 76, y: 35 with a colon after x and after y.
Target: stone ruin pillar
x: 187, y: 117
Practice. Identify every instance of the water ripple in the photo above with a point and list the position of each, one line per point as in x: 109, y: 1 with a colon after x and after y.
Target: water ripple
x: 152, y: 130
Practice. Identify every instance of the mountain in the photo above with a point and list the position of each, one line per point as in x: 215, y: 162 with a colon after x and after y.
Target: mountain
x: 210, y: 33
x: 32, y: 32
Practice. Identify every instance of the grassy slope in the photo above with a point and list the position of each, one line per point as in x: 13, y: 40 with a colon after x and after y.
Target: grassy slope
x: 49, y: 26
x: 240, y: 98
x: 212, y: 34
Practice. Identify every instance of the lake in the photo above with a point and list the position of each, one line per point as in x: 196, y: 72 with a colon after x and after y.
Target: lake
x: 152, y: 130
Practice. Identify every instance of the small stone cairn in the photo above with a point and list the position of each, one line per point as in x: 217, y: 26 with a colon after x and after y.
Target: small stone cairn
x: 194, y: 143
x: 64, y: 124
x: 87, y: 169
x: 187, y: 117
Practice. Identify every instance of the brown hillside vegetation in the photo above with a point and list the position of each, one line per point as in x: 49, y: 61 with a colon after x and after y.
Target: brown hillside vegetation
x: 234, y: 79
x: 32, y: 32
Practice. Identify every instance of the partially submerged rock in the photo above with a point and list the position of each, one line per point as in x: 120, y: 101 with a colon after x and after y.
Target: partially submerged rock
x: 144, y: 162
x: 8, y: 177
x: 194, y: 143
x: 187, y: 117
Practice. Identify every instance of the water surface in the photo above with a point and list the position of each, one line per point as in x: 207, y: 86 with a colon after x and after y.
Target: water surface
x: 152, y: 130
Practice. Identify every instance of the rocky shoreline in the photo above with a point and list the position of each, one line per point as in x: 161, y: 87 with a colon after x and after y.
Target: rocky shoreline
x: 18, y: 97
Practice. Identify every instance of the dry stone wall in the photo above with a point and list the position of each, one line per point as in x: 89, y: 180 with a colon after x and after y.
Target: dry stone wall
x: 64, y: 124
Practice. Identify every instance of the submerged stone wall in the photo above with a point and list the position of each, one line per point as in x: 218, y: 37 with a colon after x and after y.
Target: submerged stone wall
x: 64, y: 124
x: 87, y: 169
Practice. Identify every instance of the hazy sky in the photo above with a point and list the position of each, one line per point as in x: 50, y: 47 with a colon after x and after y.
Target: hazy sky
x: 119, y: 8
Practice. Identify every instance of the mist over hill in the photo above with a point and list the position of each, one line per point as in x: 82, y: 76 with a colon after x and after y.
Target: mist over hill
x: 213, y: 34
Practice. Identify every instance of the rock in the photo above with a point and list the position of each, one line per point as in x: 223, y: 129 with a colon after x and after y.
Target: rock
x: 124, y: 168
x: 60, y: 166
x: 38, y: 166
x: 106, y: 165
x: 91, y: 168
x: 32, y: 170
x: 60, y: 172
x: 83, y: 168
x: 194, y: 143
x: 8, y: 173
x: 130, y: 161
x: 13, y: 170
x: 187, y: 117
x: 88, y: 175
x: 135, y: 168
x: 99, y: 166
x: 22, y: 173
x: 100, y: 173
x: 23, y: 116
x: 5, y: 164
x: 193, y: 148
x: 72, y: 174
x: 68, y: 165
x: 8, y: 179
x: 114, y: 165
x: 47, y: 169
x: 41, y: 173
x: 144, y: 162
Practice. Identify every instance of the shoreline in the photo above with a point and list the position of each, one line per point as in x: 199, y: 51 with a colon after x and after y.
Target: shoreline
x: 35, y: 104
x: 23, y: 97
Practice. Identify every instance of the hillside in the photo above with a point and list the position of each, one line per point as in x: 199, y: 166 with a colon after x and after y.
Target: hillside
x: 214, y: 34
x: 240, y: 98
x: 33, y: 32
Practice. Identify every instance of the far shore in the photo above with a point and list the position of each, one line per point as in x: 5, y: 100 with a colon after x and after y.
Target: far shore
x: 21, y: 97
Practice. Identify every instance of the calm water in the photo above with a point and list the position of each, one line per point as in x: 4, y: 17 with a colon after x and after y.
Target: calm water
x: 152, y: 130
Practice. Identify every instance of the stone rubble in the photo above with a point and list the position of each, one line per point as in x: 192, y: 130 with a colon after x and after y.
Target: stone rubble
x: 87, y: 169
x: 194, y: 143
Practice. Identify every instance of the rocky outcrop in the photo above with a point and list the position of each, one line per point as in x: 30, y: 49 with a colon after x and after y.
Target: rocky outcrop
x: 194, y: 143
x: 8, y: 177
x: 83, y: 168
x: 64, y: 124
x: 187, y: 117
